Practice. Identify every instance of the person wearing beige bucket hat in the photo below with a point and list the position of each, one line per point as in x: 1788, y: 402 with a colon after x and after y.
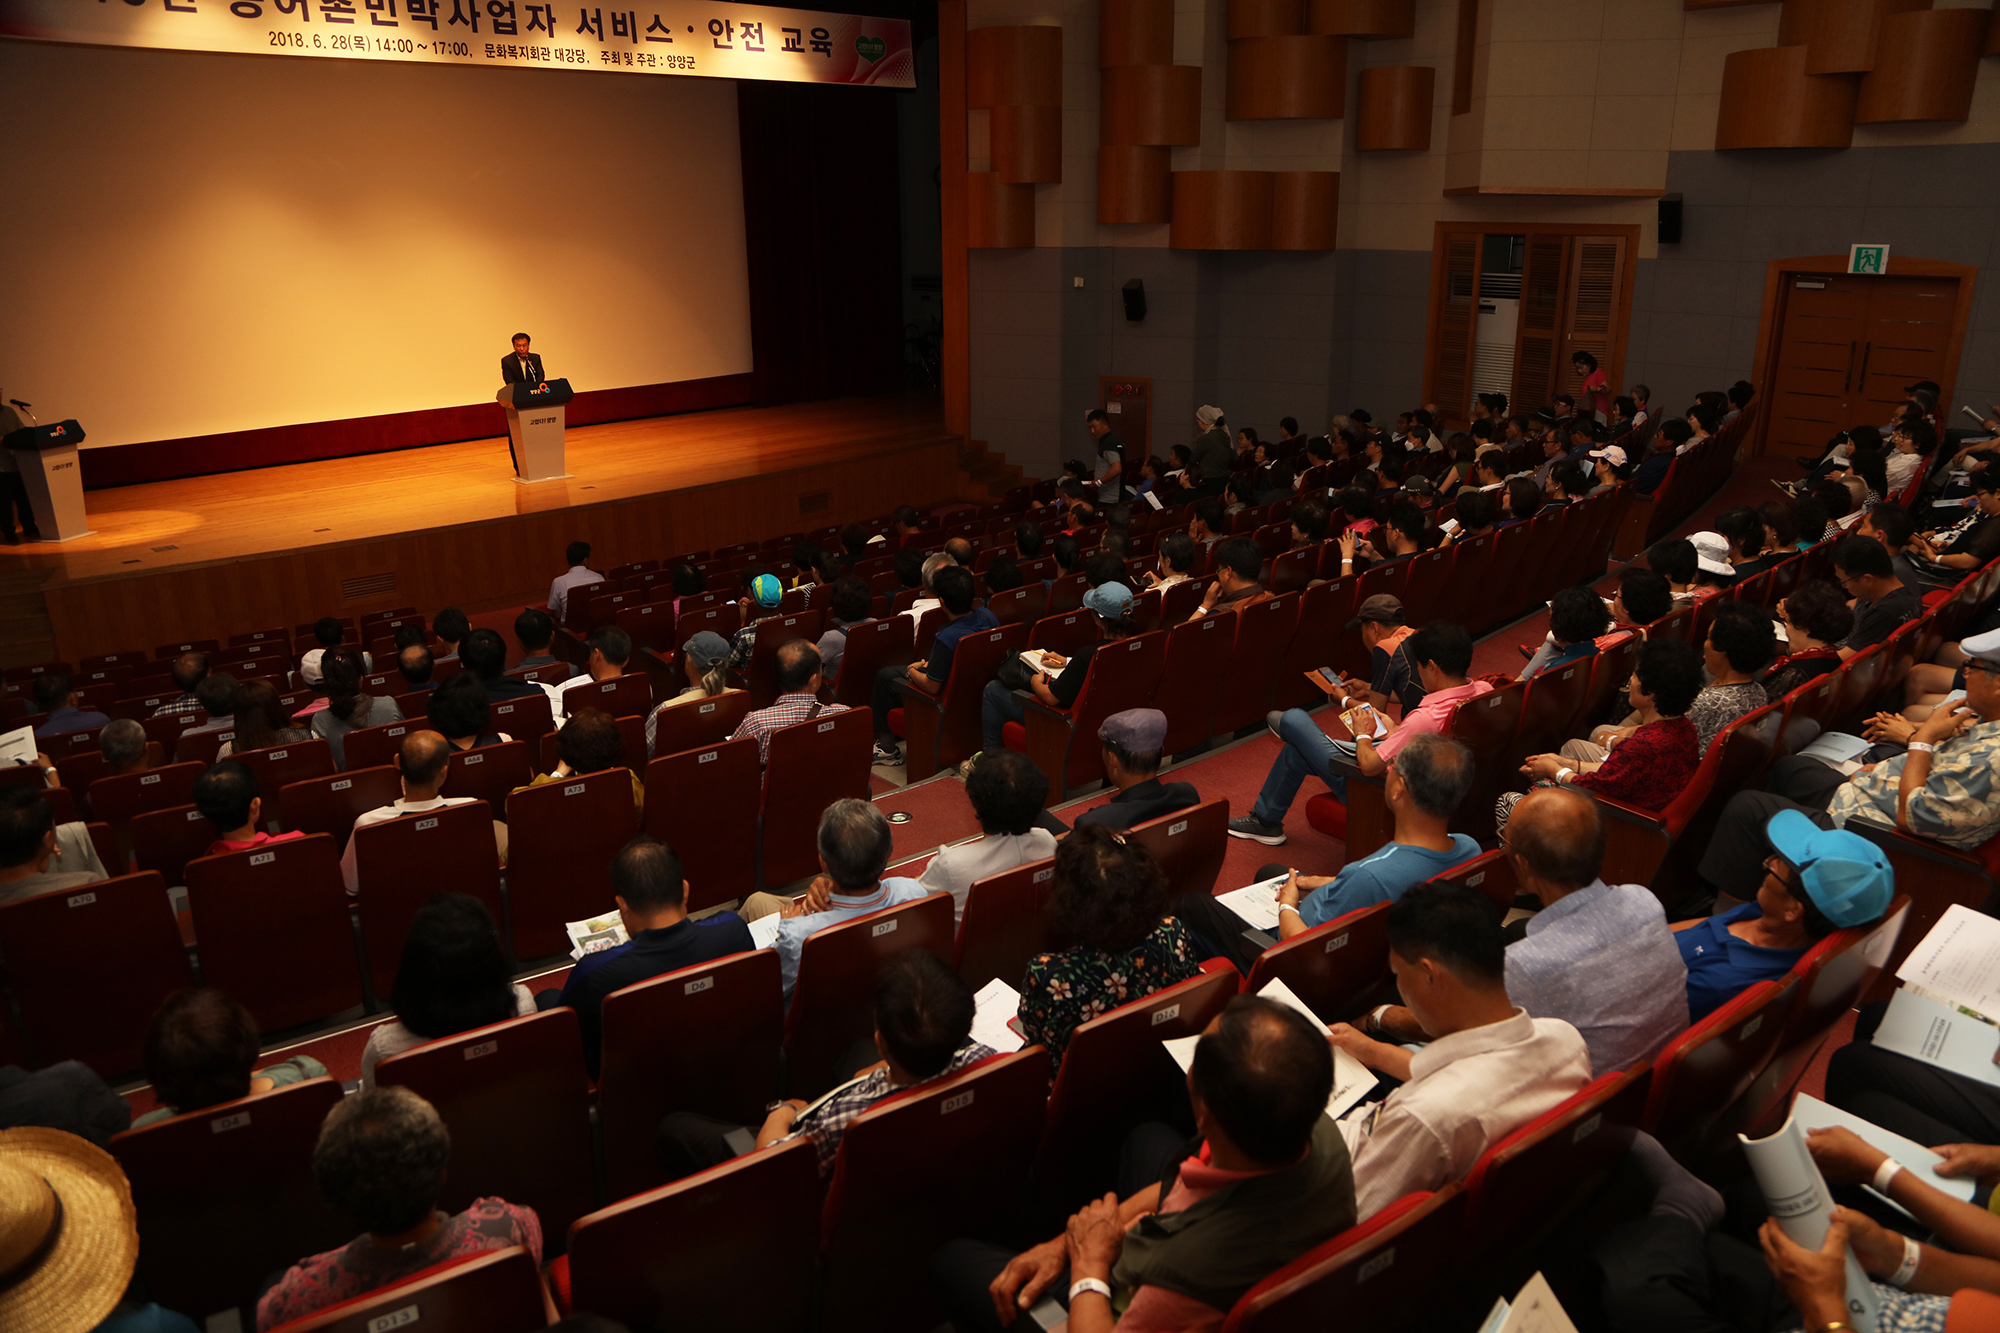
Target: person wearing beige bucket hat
x: 69, y: 1240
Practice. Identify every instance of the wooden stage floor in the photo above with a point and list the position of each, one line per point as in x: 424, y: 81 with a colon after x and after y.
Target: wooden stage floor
x: 232, y: 552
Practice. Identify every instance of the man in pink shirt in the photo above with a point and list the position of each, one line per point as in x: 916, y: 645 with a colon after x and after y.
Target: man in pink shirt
x: 1268, y: 1180
x: 1443, y: 654
x: 227, y: 797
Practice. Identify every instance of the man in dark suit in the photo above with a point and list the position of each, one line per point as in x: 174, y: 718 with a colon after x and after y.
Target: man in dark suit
x: 521, y: 364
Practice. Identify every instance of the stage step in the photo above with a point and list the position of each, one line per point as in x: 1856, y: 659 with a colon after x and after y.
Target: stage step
x: 989, y: 469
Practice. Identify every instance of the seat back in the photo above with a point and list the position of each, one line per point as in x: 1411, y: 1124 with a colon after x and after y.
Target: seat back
x: 372, y: 747
x: 1181, y: 600
x: 1123, y: 674
x: 1005, y: 923
x: 1487, y: 725
x: 701, y: 1039
x: 697, y: 1253
x: 622, y: 696
x: 1335, y: 968
x: 651, y: 624
x: 1113, y: 1076
x: 1291, y: 571
x: 516, y: 1099
x: 1429, y: 578
x: 701, y: 722
x: 1490, y: 873
x: 1549, y: 705
x: 1809, y: 710
x: 526, y: 719
x: 201, y: 747
x: 812, y: 764
x: 1700, y: 1075
x: 1063, y: 631
x: 1196, y: 653
x: 166, y: 840
x: 1243, y: 695
x: 276, y: 765
x: 561, y: 839
x: 399, y: 863
x: 833, y: 998
x: 890, y: 641
x: 1188, y: 845
x: 332, y: 802
x: 707, y: 811
x: 489, y: 772
x: 118, y: 799
x: 1324, y: 611
x: 1023, y: 605
x: 290, y: 891
x: 1372, y: 1277
x: 1609, y: 672
x: 762, y: 675
x: 226, y: 1197
x: 495, y: 1291
x: 940, y: 1159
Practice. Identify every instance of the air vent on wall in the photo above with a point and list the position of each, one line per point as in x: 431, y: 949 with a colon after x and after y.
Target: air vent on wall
x: 816, y: 503
x: 368, y: 585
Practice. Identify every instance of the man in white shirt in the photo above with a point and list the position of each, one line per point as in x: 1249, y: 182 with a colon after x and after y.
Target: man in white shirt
x: 577, y: 575
x: 1488, y: 1070
x: 327, y: 632
x: 425, y: 760
x: 610, y: 650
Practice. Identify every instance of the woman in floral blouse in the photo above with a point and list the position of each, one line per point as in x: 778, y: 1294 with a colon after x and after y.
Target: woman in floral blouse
x: 1109, y: 904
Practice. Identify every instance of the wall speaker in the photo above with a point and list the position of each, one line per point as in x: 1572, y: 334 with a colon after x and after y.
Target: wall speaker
x: 1670, y: 219
x: 1134, y: 293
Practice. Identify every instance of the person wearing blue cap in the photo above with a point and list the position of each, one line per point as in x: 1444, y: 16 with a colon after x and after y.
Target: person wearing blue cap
x: 999, y: 704
x: 1816, y: 881
x: 762, y: 595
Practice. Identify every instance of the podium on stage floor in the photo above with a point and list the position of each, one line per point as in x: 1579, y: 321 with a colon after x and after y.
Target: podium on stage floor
x: 535, y: 428
x: 46, y: 456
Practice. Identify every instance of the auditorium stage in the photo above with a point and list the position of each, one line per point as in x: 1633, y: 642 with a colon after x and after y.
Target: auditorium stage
x: 241, y: 551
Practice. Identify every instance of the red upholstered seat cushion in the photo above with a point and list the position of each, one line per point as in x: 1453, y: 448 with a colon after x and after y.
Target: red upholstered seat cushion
x: 559, y: 1282
x: 896, y: 723
x: 1015, y: 735
x: 1988, y: 853
x: 1326, y: 813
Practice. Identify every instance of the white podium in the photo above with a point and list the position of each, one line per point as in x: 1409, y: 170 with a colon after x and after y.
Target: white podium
x: 46, y: 456
x: 535, y: 428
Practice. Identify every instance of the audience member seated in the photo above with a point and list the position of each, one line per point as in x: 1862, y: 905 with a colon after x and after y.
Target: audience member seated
x: 954, y: 588
x: 1652, y: 757
x: 1109, y: 901
x: 1426, y: 781
x: 260, y: 721
x: 610, y: 649
x: 1815, y: 881
x: 1660, y: 452
x: 201, y: 1046
x: 453, y: 977
x: 122, y: 744
x: 1577, y: 618
x: 647, y: 885
x: 1816, y: 618
x: 1477, y: 510
x: 590, y: 742
x: 999, y: 704
x: 705, y: 665
x: 380, y: 1163
x: 460, y: 712
x: 1740, y: 644
x: 1643, y: 597
x: 327, y: 633
x: 1489, y: 1068
x: 38, y: 855
x: 347, y: 708
x: 763, y: 598
x: 227, y: 797
x: 1881, y: 602
x: 796, y: 665
x: 1270, y: 1180
x: 1443, y: 654
x: 425, y: 762
x: 1893, y: 527
x: 579, y: 574
x: 1970, y: 543
x: 1129, y: 746
x: 536, y: 632
x: 55, y: 694
x: 416, y: 669
x: 450, y: 625
x: 1743, y: 529
x: 923, y: 1031
x: 1598, y: 956
x: 1520, y: 500
x: 189, y: 671
x: 851, y: 605
x: 1238, y: 562
x: 1937, y: 1107
x: 1006, y: 792
x: 484, y: 653
x: 854, y: 849
x: 1392, y: 671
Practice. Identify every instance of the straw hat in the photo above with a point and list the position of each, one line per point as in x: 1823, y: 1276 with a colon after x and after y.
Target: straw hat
x: 68, y: 1239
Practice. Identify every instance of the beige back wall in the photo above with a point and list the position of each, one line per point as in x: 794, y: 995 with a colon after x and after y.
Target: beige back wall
x: 203, y: 243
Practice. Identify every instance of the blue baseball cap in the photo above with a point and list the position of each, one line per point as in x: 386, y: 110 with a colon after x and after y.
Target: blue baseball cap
x: 1113, y: 601
x: 767, y: 590
x: 1846, y: 876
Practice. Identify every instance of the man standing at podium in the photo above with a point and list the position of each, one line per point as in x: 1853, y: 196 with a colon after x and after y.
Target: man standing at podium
x: 13, y: 492
x: 518, y: 366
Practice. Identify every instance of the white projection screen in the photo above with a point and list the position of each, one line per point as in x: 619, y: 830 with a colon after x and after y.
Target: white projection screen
x: 201, y: 243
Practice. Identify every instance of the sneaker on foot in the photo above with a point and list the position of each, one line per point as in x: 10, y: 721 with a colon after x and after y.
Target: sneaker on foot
x: 1527, y: 651
x: 1255, y: 829
x: 886, y: 754
x: 965, y: 769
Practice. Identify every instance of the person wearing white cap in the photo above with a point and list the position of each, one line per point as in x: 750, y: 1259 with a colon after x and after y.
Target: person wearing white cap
x: 1212, y: 454
x: 1711, y: 550
x: 1608, y: 467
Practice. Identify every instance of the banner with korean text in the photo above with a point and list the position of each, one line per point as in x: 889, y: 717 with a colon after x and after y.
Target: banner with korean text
x: 699, y: 39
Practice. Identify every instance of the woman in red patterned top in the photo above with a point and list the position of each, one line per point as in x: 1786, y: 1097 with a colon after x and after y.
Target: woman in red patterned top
x: 1654, y: 764
x: 380, y: 1160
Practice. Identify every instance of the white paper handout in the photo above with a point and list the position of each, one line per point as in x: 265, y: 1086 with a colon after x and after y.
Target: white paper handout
x: 18, y: 746
x: 1153, y: 500
x: 764, y: 930
x: 1925, y: 1028
x: 1812, y: 1113
x: 1036, y: 660
x: 1352, y: 1080
x: 997, y: 1006
x: 1534, y: 1309
x: 1837, y: 749
x: 596, y: 934
x: 1797, y: 1196
x: 1256, y: 903
x: 1959, y: 961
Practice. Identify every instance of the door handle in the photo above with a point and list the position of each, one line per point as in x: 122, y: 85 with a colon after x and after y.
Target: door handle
x: 1847, y: 376
x: 1867, y: 350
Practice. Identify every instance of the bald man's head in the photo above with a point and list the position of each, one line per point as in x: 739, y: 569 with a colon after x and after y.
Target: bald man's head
x: 424, y: 756
x: 1557, y: 837
x: 415, y: 664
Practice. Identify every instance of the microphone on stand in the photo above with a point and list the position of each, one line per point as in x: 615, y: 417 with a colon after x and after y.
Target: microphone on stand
x: 18, y: 403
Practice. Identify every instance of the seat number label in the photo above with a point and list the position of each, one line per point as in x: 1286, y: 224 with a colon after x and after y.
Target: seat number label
x: 1474, y: 881
x: 706, y: 757
x: 263, y: 858
x: 504, y: 708
x: 1587, y: 1128
x: 193, y: 815
x: 1376, y: 1265
x: 1044, y: 876
x: 706, y: 708
x: 483, y: 1048
x: 1337, y: 942
x: 473, y: 759
x: 149, y: 779
x: 82, y: 899
x: 958, y: 1103
x: 574, y: 789
x: 223, y: 1124
x: 1167, y: 1014
x: 394, y: 1319
x: 342, y: 785
x: 276, y: 755
x: 1178, y: 827
x: 423, y: 824
x: 881, y: 928
x: 1750, y: 1028
x: 698, y: 985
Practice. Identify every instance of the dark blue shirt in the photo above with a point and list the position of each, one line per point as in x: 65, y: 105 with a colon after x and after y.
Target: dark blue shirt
x: 945, y: 646
x: 650, y: 953
x: 1651, y: 472
x: 1721, y: 966
x: 66, y: 719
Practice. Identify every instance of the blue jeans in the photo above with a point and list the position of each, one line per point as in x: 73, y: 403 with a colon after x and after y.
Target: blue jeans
x: 998, y: 706
x: 1308, y: 752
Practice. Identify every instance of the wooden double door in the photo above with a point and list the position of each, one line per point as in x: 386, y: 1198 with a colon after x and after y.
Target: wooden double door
x: 1850, y: 345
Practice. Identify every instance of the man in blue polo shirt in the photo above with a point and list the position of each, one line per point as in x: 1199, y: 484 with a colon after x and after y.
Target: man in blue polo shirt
x: 953, y: 586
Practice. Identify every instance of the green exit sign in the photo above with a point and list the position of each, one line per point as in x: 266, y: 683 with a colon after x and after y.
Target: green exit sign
x: 1868, y: 259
